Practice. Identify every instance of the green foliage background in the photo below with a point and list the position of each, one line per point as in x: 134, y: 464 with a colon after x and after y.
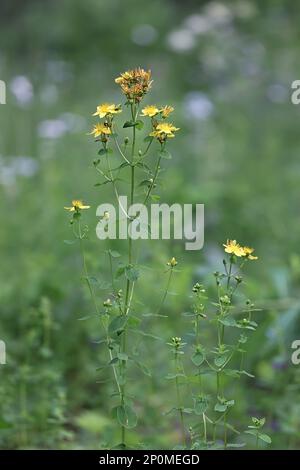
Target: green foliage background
x: 227, y: 68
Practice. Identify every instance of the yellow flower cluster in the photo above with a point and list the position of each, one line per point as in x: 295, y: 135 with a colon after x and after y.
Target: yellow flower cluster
x: 233, y: 248
x: 164, y: 131
x: 153, y: 110
x: 135, y: 83
x: 161, y: 130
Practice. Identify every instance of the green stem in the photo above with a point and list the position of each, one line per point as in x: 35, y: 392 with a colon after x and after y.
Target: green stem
x: 165, y: 293
x: 128, y: 295
x: 225, y: 430
x: 153, y: 182
x: 179, y: 403
x: 93, y: 297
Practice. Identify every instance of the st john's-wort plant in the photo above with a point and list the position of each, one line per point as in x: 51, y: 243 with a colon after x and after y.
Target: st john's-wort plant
x: 116, y: 313
x: 213, y: 400
x: 205, y: 422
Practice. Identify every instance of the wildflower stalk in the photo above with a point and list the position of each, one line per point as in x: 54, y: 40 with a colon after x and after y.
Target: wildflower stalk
x: 134, y: 84
x: 165, y: 292
x: 179, y: 402
x: 152, y: 184
x: 129, y: 284
x: 81, y: 237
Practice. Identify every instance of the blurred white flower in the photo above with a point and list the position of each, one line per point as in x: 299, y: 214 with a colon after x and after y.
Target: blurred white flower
x: 198, y: 24
x: 181, y: 40
x: 65, y: 123
x: 218, y: 13
x: 198, y: 105
x: 52, y: 128
x: 144, y: 34
x: 12, y: 167
x: 21, y: 87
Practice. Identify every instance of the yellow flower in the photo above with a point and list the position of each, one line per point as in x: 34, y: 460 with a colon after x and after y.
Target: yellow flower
x: 166, y: 110
x: 77, y: 205
x: 233, y: 248
x: 106, y: 108
x: 173, y: 262
x: 248, y: 253
x: 163, y: 131
x: 100, y: 130
x: 135, y: 83
x: 150, y: 111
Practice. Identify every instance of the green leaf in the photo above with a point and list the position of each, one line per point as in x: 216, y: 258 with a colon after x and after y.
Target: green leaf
x: 114, y: 254
x: 172, y: 410
x: 220, y: 407
x: 187, y: 410
x: 149, y: 138
x: 102, y: 152
x: 200, y: 405
x: 86, y: 317
x: 117, y: 325
x: 165, y: 154
x: 198, y: 358
x: 265, y: 438
x: 120, y: 271
x: 145, y: 183
x: 234, y: 373
x: 70, y: 242
x: 126, y: 416
x: 147, y: 335
x: 128, y: 124
x: 228, y: 321
x: 113, y: 361
x: 154, y: 315
x: 134, y: 322
x: 102, y: 183
x: 139, y: 125
x: 244, y: 372
x: 220, y: 360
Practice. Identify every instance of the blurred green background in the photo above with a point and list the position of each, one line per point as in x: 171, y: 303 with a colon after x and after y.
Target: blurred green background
x: 227, y: 68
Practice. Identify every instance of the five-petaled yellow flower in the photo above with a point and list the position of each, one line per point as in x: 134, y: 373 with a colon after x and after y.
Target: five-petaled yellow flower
x: 248, y: 253
x: 166, y: 110
x: 77, y: 205
x: 106, y: 108
x: 233, y: 248
x: 163, y: 131
x: 100, y: 129
x: 150, y: 111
